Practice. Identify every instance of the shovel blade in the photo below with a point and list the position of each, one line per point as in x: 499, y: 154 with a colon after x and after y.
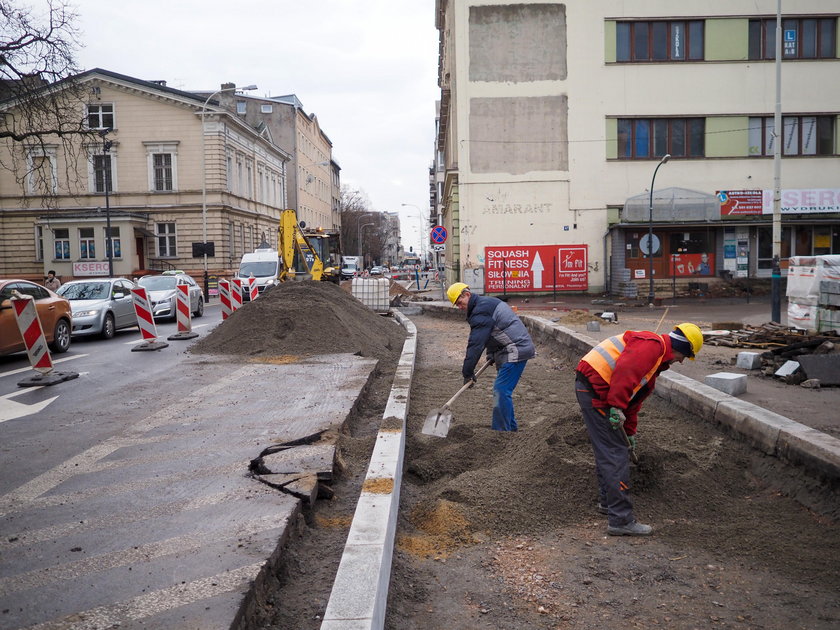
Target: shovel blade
x: 437, y: 422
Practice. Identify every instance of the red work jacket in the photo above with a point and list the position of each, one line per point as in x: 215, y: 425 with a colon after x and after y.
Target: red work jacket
x: 623, y: 369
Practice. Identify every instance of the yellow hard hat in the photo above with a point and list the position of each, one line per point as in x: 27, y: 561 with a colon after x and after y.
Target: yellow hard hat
x: 455, y: 290
x: 692, y: 333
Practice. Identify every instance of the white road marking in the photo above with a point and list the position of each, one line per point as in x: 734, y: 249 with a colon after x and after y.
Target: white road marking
x: 11, y: 409
x: 29, y: 369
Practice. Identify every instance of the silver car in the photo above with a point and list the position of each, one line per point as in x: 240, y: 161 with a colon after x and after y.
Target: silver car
x: 163, y: 296
x: 101, y: 306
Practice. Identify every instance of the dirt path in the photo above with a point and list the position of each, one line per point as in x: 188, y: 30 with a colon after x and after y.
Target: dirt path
x: 499, y: 530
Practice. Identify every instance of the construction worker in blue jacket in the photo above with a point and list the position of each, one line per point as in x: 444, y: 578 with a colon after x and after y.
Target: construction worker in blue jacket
x: 494, y: 327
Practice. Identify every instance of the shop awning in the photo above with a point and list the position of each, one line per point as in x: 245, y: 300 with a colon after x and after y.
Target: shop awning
x: 672, y: 205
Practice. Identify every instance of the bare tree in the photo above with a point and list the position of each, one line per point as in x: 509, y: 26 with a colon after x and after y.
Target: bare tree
x: 40, y: 104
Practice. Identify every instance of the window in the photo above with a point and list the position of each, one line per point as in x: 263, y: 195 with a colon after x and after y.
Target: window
x: 100, y: 116
x: 249, y: 179
x: 113, y: 241
x: 62, y: 243
x: 102, y: 175
x: 39, y: 242
x: 241, y: 107
x: 42, y: 178
x: 229, y: 170
x: 87, y: 244
x: 660, y: 41
x: 802, y: 38
x: 162, y: 166
x: 803, y: 135
x: 645, y: 138
x: 166, y: 240
x: 266, y: 109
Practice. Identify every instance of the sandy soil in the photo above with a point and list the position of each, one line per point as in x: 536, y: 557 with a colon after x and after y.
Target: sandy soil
x: 499, y: 530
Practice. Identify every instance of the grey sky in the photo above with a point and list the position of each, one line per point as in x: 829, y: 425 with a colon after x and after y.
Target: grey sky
x: 367, y: 69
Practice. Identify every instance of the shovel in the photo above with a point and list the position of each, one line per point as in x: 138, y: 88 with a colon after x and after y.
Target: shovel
x: 438, y: 421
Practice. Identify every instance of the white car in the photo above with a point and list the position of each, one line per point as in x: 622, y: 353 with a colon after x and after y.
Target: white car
x: 101, y: 306
x: 163, y: 297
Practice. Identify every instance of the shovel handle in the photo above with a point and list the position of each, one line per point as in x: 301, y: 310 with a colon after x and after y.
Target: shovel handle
x: 466, y: 385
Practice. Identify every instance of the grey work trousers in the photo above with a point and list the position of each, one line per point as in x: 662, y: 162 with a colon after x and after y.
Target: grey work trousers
x: 612, y: 459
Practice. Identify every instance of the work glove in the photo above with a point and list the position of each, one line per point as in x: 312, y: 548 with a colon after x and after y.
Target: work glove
x: 632, y: 440
x: 617, y: 418
x: 469, y: 379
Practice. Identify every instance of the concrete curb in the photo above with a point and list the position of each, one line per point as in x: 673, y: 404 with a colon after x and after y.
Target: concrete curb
x: 360, y: 590
x: 769, y: 432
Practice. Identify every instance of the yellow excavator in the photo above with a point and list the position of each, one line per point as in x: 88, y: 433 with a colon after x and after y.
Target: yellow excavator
x: 306, y: 253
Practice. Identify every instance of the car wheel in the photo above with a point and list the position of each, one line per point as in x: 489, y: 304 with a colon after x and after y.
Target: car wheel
x: 108, y: 327
x: 61, y: 337
x: 199, y: 311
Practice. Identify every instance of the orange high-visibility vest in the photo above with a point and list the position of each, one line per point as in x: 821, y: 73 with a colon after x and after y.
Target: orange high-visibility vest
x: 602, y: 358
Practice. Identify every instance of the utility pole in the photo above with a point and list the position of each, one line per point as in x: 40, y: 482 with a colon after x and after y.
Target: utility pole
x: 778, y: 132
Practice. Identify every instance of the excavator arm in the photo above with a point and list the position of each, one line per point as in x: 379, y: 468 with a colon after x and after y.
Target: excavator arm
x: 297, y: 255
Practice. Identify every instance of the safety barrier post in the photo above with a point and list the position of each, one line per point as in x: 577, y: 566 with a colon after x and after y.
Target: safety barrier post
x: 253, y: 289
x: 184, y: 315
x: 36, y: 344
x: 145, y: 321
x: 235, y: 294
x: 224, y: 298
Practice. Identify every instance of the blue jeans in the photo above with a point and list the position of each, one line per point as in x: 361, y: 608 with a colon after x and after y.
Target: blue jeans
x: 506, y: 381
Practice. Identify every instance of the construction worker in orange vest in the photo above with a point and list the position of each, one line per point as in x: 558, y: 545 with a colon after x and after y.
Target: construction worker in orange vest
x: 613, y: 379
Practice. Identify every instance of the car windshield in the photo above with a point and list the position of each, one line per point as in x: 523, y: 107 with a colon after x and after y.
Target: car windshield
x: 85, y: 291
x: 158, y: 283
x: 258, y: 268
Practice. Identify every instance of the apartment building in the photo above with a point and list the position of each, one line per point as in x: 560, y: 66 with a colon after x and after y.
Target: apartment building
x: 555, y: 117
x: 162, y: 168
x: 313, y: 176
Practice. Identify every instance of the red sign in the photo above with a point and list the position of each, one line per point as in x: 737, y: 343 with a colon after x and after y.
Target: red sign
x: 531, y: 268
x: 693, y: 264
x: 740, y: 202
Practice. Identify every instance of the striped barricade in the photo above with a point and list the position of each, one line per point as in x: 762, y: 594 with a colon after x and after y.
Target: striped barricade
x: 224, y: 298
x: 235, y: 294
x: 183, y: 315
x: 253, y: 289
x: 145, y: 321
x: 35, y: 341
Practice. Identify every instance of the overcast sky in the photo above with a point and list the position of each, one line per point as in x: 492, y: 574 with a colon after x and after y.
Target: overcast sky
x: 367, y: 68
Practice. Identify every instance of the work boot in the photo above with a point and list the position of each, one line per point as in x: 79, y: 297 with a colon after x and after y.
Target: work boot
x: 633, y: 528
x: 602, y: 509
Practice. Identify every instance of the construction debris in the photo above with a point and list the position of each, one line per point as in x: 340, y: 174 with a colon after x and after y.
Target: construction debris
x: 770, y: 335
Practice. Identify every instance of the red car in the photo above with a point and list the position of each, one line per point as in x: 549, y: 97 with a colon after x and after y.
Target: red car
x: 53, y: 311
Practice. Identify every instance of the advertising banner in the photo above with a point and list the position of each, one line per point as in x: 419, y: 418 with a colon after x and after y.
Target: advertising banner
x: 793, y: 201
x: 96, y: 268
x: 692, y: 264
x: 531, y: 268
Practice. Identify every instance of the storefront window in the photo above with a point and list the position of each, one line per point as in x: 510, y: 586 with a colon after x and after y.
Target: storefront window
x: 822, y: 240
x: 692, y: 253
x: 765, y: 246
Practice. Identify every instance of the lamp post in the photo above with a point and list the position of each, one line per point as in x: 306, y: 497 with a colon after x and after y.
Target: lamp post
x: 664, y: 159
x: 362, y: 227
x: 422, y: 229
x: 204, y: 185
x: 106, y: 184
x: 359, y: 231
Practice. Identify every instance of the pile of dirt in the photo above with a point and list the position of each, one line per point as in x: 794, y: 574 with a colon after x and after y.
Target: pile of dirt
x: 304, y: 319
x: 578, y: 316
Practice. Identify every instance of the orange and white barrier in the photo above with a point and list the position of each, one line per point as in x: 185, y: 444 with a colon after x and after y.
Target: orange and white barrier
x: 145, y: 321
x: 184, y: 312
x: 235, y: 294
x: 224, y: 298
x: 253, y: 289
x: 32, y: 333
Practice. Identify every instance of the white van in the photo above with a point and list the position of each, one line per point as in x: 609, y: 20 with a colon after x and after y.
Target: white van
x: 264, y: 265
x: 350, y: 267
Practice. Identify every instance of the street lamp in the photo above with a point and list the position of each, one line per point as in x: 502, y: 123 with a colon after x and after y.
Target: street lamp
x: 204, y: 185
x: 359, y: 230
x: 362, y: 252
x: 106, y: 184
x: 422, y: 229
x: 664, y: 159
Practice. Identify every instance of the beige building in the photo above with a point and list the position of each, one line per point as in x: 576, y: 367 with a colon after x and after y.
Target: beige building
x: 175, y: 170
x: 555, y: 116
x: 313, y: 175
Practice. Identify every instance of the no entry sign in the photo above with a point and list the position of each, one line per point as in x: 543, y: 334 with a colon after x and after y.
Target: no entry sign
x: 532, y: 268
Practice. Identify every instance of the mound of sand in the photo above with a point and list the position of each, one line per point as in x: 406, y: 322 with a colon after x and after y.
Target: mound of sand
x: 304, y: 319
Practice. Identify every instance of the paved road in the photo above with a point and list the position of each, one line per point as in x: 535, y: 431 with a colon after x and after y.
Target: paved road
x: 125, y: 498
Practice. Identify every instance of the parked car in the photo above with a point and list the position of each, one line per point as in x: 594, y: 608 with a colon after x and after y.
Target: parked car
x: 101, y: 306
x: 54, y: 312
x: 161, y: 289
x: 378, y: 271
